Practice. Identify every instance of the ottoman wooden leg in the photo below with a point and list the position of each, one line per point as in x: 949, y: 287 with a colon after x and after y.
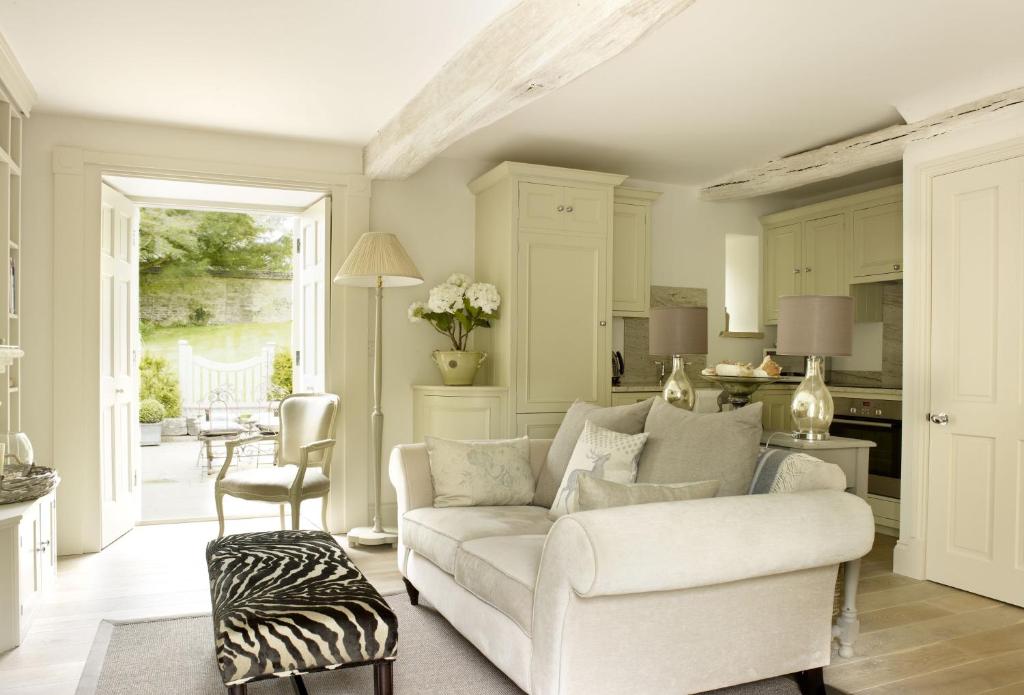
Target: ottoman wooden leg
x: 382, y: 684
x: 811, y: 682
x: 237, y: 689
x: 414, y: 594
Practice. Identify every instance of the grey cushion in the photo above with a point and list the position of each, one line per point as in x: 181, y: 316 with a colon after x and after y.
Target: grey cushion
x: 437, y: 533
x: 684, y: 447
x: 502, y: 571
x: 595, y: 493
x: 628, y: 419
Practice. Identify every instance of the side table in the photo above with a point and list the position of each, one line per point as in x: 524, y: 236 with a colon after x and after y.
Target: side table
x: 852, y: 456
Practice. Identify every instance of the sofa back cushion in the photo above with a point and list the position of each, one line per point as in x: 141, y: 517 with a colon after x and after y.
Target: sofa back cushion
x: 595, y: 493
x: 601, y: 453
x: 480, y: 473
x: 627, y: 419
x: 784, y: 470
x: 684, y: 447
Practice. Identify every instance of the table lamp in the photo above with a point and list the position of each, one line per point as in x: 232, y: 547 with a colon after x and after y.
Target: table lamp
x: 817, y: 326
x: 678, y: 331
x: 377, y: 261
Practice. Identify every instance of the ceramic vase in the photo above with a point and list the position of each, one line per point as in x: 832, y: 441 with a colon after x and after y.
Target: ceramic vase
x: 458, y: 367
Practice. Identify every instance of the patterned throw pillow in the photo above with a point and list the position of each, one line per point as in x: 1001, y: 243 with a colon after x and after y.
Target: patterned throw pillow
x: 784, y: 470
x: 476, y: 474
x: 603, y: 494
x: 603, y: 454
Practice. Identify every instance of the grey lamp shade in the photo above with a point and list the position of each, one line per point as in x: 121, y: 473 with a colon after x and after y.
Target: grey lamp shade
x: 378, y: 255
x: 679, y: 330
x: 815, y: 325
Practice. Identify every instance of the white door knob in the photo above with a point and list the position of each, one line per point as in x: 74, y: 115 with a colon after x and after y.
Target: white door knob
x: 938, y: 418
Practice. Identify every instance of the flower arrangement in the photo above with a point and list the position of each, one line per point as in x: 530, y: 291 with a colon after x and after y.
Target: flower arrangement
x: 456, y: 307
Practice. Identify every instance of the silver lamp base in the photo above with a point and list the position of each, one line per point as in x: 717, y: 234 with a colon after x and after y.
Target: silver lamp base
x: 365, y: 535
x: 678, y: 390
x: 812, y: 407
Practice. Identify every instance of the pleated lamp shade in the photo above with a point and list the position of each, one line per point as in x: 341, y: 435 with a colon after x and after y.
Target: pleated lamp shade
x: 819, y: 325
x: 679, y: 330
x: 378, y: 255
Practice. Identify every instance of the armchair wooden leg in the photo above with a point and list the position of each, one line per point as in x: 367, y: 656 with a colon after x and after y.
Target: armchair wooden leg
x: 414, y: 593
x: 382, y: 678
x: 219, y: 499
x: 296, y: 506
x: 280, y: 508
x: 323, y: 513
x: 811, y: 682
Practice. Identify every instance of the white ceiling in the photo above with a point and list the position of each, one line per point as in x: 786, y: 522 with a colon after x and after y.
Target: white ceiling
x: 196, y: 193
x: 318, y: 69
x: 729, y: 84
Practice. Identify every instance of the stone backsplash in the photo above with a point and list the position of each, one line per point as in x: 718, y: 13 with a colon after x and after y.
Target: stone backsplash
x: 640, y: 366
x: 891, y: 375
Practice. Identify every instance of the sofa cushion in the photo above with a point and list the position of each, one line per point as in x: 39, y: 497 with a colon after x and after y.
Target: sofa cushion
x: 595, y: 493
x: 502, y: 572
x: 474, y: 474
x: 684, y: 447
x: 628, y: 419
x: 437, y: 533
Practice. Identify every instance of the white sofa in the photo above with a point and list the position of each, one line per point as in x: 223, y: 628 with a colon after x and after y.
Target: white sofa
x: 677, y: 597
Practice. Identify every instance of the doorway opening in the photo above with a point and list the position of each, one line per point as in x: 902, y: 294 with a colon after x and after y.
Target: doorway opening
x: 227, y: 318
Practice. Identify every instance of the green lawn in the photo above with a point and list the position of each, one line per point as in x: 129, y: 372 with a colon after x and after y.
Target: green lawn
x: 227, y: 343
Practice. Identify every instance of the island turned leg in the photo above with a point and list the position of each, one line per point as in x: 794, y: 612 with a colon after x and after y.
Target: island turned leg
x: 847, y: 627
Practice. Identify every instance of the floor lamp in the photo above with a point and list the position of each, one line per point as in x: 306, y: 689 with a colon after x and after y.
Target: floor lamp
x: 378, y: 261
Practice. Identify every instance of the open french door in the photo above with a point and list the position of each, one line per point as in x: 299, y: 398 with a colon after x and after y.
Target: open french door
x: 309, y: 268
x: 119, y: 316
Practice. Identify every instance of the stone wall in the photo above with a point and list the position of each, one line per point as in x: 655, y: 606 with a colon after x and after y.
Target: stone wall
x: 258, y: 298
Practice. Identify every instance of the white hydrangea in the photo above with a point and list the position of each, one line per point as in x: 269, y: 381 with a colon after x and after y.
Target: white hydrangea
x: 483, y: 296
x: 445, y: 298
x: 459, y: 280
x: 416, y: 310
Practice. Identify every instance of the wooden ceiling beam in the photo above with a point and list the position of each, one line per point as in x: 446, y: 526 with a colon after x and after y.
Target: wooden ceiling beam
x: 530, y: 50
x: 856, y: 154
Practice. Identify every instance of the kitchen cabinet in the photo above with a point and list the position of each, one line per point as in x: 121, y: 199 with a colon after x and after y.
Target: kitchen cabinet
x: 544, y: 238
x: 538, y: 425
x: 28, y: 545
x: 460, y: 412
x: 775, y: 400
x: 877, y: 243
x: 827, y: 247
x: 631, y: 252
x: 631, y: 397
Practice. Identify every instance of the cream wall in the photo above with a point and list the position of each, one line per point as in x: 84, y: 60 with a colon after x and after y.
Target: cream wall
x: 432, y: 212
x: 41, y: 417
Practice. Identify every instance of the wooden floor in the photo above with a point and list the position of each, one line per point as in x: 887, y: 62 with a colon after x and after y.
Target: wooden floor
x: 917, y: 637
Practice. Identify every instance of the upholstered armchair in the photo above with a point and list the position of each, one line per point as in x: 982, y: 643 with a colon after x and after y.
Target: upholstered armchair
x: 302, y: 463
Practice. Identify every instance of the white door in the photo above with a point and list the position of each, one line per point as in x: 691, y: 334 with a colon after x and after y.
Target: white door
x: 976, y: 462
x: 309, y: 268
x: 119, y: 317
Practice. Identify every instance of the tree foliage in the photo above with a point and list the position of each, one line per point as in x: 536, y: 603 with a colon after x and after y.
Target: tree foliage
x: 191, y: 242
x: 281, y: 377
x: 157, y: 382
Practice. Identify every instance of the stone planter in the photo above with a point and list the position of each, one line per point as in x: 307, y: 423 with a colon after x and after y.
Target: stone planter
x: 174, y: 427
x: 150, y: 433
x: 458, y: 368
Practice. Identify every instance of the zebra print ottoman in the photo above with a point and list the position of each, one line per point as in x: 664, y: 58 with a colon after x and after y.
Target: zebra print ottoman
x: 292, y: 602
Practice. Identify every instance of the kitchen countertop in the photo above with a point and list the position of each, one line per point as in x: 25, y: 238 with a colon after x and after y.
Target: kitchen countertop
x: 848, y: 391
x: 636, y: 388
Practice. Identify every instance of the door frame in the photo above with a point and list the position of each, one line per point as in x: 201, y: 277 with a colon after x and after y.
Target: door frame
x: 77, y: 175
x: 921, y: 167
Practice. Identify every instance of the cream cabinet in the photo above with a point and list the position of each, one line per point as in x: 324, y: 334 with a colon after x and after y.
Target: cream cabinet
x: 631, y: 397
x: 544, y: 238
x: 775, y: 400
x: 877, y: 242
x: 631, y: 252
x: 826, y: 247
x: 538, y: 425
x: 460, y: 412
x: 28, y: 546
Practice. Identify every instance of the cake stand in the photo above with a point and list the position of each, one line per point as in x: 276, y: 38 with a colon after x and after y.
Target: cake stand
x: 739, y: 389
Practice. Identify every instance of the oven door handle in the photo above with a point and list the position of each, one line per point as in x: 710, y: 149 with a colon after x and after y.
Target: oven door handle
x: 865, y: 423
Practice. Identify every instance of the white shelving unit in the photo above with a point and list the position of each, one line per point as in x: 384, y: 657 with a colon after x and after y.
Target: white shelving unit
x: 10, y: 248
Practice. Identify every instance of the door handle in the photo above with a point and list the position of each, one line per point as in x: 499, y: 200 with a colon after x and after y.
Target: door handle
x: 119, y: 390
x: 938, y: 418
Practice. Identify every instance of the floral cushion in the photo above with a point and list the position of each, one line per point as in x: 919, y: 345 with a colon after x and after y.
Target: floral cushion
x: 475, y: 474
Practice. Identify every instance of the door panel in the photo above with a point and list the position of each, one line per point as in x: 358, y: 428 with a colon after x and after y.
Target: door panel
x: 562, y: 303
x: 878, y: 240
x: 783, y: 272
x: 824, y: 250
x: 539, y: 206
x: 630, y: 259
x: 119, y: 303
x: 975, y: 504
x: 308, y: 307
x: 586, y: 210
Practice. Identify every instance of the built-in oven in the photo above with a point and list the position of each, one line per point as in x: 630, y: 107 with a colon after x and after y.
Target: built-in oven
x: 879, y: 421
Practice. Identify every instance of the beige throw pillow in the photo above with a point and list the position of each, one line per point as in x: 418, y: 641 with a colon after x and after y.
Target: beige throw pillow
x: 685, y: 447
x: 475, y: 474
x: 603, y: 454
x: 603, y: 494
x: 628, y: 419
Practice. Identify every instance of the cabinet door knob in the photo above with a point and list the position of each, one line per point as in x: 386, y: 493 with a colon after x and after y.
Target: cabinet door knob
x: 807, y: 270
x: 896, y: 266
x: 569, y: 209
x: 560, y: 208
x: 938, y: 418
x: 796, y: 271
x: 604, y: 323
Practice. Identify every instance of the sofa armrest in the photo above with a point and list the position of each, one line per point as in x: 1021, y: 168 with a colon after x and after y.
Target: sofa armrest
x: 409, y: 470
x: 679, y: 545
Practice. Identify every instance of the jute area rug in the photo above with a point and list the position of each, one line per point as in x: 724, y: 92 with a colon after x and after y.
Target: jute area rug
x: 175, y: 655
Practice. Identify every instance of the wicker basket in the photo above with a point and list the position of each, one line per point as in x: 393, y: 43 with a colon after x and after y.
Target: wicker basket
x: 21, y: 483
